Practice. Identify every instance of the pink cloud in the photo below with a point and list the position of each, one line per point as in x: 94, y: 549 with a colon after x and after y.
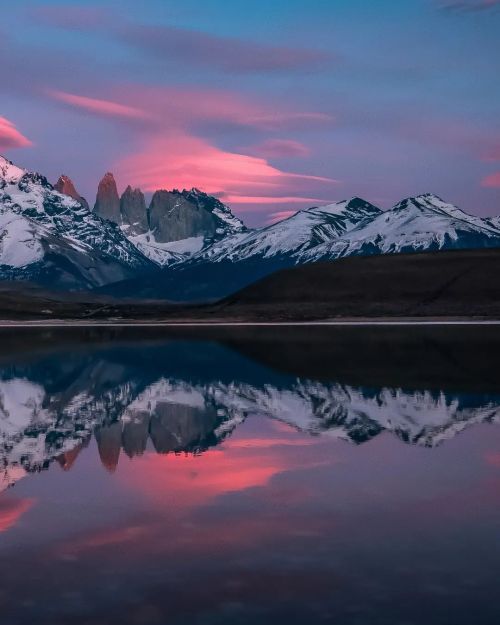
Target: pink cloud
x: 185, y: 107
x: 493, y: 180
x: 10, y: 137
x: 173, y: 154
x: 181, y: 160
x: 279, y: 148
x: 106, y: 108
x: 191, y: 107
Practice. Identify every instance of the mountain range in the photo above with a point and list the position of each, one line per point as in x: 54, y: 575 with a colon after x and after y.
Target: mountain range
x: 187, y: 245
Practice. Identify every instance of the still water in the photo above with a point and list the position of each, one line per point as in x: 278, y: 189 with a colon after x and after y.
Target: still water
x: 215, y: 476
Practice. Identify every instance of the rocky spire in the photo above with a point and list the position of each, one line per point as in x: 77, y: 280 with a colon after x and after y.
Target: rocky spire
x: 174, y: 216
x: 65, y: 186
x: 133, y: 211
x: 107, y: 202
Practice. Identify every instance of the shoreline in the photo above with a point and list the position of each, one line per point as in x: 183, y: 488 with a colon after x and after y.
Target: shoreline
x: 43, y: 323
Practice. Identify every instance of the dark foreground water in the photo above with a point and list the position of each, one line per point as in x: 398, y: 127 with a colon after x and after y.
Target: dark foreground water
x: 346, y: 476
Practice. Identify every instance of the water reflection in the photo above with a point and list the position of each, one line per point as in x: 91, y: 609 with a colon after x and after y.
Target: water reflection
x: 234, y: 479
x: 185, y: 396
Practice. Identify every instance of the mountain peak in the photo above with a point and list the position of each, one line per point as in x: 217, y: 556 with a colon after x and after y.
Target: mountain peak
x: 65, y: 186
x: 134, y: 217
x: 130, y: 190
x: 107, y: 203
x: 423, y: 201
x: 428, y: 197
x: 357, y: 200
x: 10, y: 172
x: 355, y: 204
x: 51, y: 237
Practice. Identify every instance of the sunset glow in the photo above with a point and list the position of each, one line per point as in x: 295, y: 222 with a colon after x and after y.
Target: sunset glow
x: 266, y: 120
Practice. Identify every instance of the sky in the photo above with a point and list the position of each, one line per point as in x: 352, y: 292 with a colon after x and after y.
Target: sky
x: 271, y: 105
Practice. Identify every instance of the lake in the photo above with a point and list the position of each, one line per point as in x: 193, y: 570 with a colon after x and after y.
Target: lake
x: 250, y: 475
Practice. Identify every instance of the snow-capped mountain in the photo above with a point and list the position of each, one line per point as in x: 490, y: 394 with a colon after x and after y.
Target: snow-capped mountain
x: 179, y: 224
x: 175, y: 225
x: 347, y: 228
x: 206, y: 252
x: 49, y: 237
x: 424, y: 223
x: 288, y: 238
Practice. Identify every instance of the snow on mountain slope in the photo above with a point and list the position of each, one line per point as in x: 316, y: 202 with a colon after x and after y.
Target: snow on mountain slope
x: 429, y: 200
x: 357, y: 227
x: 165, y: 254
x: 423, y: 223
x: 9, y: 172
x: 293, y: 235
x: 161, y: 254
x: 41, y: 228
x: 493, y: 222
x: 19, y: 244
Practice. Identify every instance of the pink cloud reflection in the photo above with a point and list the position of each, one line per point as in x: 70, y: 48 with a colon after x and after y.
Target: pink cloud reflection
x: 11, y: 510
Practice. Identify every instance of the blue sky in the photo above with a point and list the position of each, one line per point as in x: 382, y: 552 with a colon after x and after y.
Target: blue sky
x: 273, y: 106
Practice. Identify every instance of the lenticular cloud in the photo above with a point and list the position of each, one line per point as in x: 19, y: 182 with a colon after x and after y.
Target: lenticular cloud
x: 10, y: 137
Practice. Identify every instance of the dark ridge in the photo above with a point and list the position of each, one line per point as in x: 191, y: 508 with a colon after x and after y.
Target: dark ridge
x: 463, y: 283
x: 456, y: 284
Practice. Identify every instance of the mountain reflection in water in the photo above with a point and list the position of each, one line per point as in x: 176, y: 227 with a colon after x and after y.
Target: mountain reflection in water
x: 129, y: 395
x: 319, y: 464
